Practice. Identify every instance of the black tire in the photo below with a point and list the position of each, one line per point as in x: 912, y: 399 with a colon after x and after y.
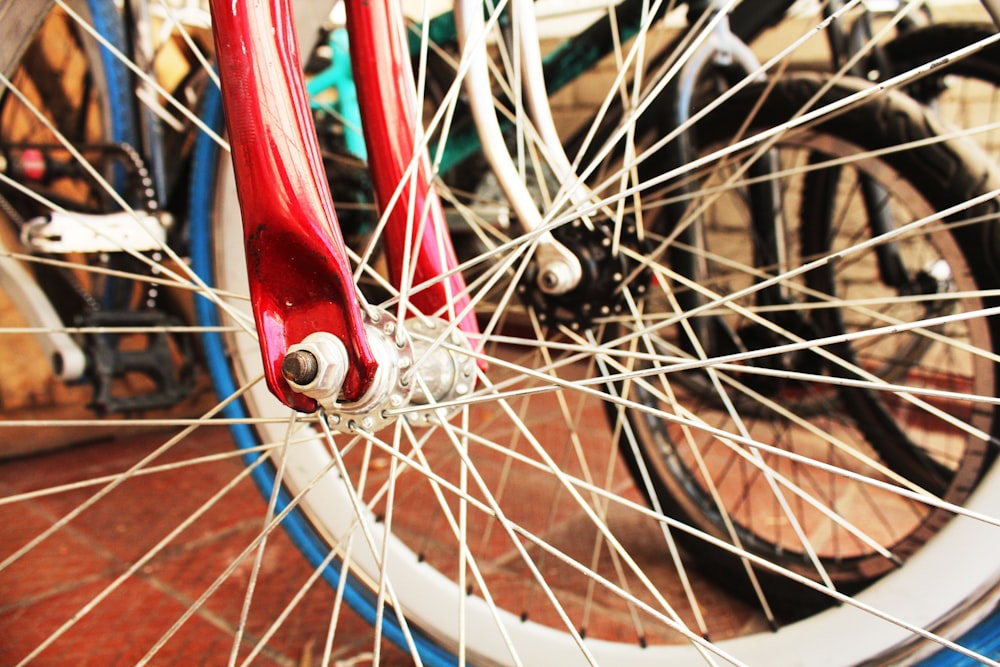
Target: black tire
x: 945, y: 174
x: 924, y: 44
x: 950, y: 88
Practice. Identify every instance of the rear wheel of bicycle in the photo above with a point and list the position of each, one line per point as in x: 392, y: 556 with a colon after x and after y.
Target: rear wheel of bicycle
x: 820, y: 198
x: 514, y: 531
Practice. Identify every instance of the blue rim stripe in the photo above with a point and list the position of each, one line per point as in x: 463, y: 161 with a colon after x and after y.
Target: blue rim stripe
x: 360, y: 599
x: 984, y: 639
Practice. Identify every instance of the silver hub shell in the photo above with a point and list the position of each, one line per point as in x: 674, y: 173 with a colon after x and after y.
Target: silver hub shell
x: 445, y: 371
x: 389, y: 390
x: 426, y: 363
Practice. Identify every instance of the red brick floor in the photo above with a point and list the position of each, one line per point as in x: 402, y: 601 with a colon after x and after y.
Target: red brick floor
x: 91, y: 556
x: 124, y: 569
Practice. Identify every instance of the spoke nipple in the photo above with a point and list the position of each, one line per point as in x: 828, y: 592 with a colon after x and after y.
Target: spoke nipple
x: 300, y: 367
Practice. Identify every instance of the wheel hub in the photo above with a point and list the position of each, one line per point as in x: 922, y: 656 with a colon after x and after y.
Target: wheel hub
x: 607, y: 273
x: 318, y: 365
x: 425, y: 362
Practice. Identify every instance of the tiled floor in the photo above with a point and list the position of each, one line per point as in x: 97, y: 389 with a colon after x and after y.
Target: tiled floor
x: 95, y: 553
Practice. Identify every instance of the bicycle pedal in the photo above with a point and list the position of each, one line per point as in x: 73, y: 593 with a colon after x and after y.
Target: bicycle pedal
x: 140, y: 350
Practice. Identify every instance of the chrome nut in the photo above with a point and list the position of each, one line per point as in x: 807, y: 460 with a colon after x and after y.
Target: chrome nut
x: 317, y: 367
x: 559, y: 270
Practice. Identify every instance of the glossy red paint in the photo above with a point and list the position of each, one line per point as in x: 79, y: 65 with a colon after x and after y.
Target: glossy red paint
x: 300, y: 280
x: 383, y: 77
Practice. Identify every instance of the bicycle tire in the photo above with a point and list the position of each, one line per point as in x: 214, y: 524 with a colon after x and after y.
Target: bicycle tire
x: 973, y: 77
x: 914, y: 48
x: 863, y: 130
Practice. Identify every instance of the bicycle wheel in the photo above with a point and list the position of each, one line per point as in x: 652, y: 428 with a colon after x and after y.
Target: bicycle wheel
x: 532, y: 471
x: 826, y: 208
x: 514, y: 530
x: 961, y: 92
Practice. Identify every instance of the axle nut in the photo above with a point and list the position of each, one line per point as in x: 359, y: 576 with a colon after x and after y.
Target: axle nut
x: 317, y: 366
x: 558, y: 276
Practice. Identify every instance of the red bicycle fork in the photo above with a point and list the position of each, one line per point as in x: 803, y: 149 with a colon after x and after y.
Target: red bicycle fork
x: 300, y: 277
